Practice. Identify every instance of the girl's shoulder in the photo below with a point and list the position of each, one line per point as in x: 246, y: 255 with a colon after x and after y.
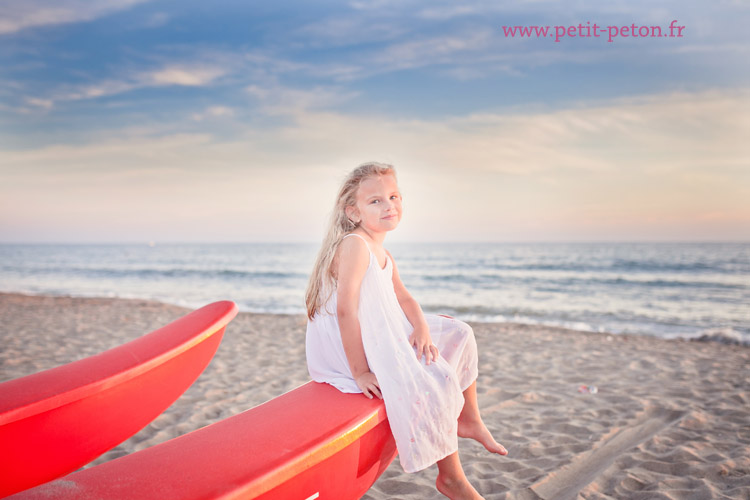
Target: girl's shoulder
x: 357, y: 238
x: 352, y: 252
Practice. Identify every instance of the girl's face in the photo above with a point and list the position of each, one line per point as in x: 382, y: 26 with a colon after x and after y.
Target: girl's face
x: 378, y: 206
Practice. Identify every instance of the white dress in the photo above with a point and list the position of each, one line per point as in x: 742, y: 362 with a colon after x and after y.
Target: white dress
x: 422, y: 401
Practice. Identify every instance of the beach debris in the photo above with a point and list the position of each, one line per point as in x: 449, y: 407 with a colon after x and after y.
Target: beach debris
x: 588, y: 389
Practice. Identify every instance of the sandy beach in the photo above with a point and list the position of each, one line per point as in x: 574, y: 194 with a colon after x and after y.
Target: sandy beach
x: 669, y: 419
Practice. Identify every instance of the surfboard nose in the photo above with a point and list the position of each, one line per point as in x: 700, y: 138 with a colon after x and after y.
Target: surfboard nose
x: 55, y: 421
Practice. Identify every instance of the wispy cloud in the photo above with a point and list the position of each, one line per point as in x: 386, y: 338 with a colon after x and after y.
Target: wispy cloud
x: 346, y: 50
x: 646, y: 134
x: 156, y: 20
x: 349, y: 30
x: 642, y: 167
x: 376, y: 4
x: 623, y: 148
x: 433, y: 50
x: 650, y: 134
x: 213, y: 112
x: 280, y: 100
x: 194, y: 76
x: 447, y: 12
x: 39, y: 103
x: 188, y: 75
x: 17, y: 16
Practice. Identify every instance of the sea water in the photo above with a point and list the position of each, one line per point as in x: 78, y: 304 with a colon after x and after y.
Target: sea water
x: 660, y: 289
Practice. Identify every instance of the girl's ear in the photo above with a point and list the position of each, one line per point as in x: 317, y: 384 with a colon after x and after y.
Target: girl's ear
x: 350, y: 212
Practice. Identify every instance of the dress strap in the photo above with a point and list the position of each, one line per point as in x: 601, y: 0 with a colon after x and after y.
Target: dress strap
x: 361, y: 238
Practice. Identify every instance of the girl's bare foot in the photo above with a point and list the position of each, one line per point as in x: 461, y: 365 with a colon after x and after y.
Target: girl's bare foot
x: 457, y: 488
x: 476, y: 430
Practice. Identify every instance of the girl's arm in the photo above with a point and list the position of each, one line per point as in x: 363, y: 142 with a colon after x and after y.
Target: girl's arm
x: 353, y: 260
x: 420, y: 337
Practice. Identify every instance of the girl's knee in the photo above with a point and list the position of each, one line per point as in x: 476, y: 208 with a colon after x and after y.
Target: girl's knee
x: 463, y: 333
x: 464, y: 329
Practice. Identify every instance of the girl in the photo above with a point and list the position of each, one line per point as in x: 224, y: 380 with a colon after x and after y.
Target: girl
x: 364, y: 329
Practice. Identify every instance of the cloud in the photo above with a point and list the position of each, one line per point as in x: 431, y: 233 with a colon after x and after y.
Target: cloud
x: 448, y: 12
x: 34, y: 13
x: 646, y: 134
x: 467, y: 40
x: 213, y: 112
x: 98, y: 89
x: 464, y: 55
x: 350, y: 30
x: 651, y: 134
x: 196, y: 74
x: 652, y: 166
x: 459, y: 53
x: 645, y: 167
x: 156, y: 20
x: 433, y: 50
x: 376, y: 4
x: 39, y: 103
x: 116, y: 153
x: 280, y: 100
x: 374, y: 38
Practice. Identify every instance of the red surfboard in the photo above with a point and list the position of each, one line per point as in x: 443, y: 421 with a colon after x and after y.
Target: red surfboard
x: 312, y: 442
x: 55, y: 421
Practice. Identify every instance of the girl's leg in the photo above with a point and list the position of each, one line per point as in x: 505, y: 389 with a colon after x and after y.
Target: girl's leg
x: 457, y: 345
x: 452, y: 482
x: 470, y: 424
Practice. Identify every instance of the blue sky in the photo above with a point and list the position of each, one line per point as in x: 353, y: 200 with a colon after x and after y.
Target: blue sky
x: 133, y: 120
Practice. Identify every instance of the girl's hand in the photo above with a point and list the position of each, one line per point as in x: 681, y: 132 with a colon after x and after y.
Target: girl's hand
x: 421, y: 340
x: 368, y: 384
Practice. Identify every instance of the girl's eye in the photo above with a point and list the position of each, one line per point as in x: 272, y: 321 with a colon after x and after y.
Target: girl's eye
x: 375, y: 201
x: 394, y: 197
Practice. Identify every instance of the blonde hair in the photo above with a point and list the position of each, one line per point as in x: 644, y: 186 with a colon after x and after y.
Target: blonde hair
x: 322, y: 280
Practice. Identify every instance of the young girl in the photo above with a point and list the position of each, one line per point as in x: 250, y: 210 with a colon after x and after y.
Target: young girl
x: 367, y: 334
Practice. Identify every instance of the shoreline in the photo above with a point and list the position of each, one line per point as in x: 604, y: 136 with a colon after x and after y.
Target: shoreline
x: 717, y: 336
x: 668, y: 419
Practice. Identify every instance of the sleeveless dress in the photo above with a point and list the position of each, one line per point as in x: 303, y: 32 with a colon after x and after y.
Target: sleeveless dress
x: 422, y: 401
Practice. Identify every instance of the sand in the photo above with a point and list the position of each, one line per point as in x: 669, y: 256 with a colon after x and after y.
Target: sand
x: 670, y: 418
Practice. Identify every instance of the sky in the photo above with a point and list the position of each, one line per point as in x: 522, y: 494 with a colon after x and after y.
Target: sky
x: 236, y: 121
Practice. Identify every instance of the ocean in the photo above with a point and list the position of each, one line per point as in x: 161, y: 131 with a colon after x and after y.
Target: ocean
x: 687, y: 290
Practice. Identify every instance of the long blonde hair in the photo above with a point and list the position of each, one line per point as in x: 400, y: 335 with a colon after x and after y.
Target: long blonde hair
x: 322, y: 280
